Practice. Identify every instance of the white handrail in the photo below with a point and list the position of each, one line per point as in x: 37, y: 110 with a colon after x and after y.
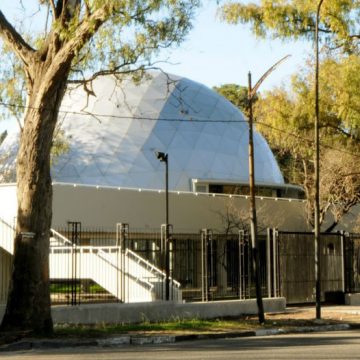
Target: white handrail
x: 7, y: 224
x: 64, y: 239
x: 147, y: 263
x: 105, y: 256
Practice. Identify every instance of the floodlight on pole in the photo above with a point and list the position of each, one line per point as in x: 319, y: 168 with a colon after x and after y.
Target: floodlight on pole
x: 163, y: 157
x: 317, y: 251
x: 253, y: 222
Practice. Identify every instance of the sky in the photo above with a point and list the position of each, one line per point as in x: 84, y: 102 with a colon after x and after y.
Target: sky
x: 216, y: 53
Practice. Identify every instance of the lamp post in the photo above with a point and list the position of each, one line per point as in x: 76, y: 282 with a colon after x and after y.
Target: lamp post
x: 163, y: 157
x: 317, y: 171
x: 253, y: 222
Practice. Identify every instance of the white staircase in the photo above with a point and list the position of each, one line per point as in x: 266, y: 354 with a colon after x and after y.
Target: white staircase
x: 121, y: 272
x: 7, y: 234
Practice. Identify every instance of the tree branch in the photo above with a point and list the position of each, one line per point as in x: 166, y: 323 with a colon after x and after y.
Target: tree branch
x: 12, y: 38
x: 64, y: 56
x: 53, y: 8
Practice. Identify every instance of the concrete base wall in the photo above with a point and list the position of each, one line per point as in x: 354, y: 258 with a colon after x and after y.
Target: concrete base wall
x: 352, y: 299
x: 157, y: 311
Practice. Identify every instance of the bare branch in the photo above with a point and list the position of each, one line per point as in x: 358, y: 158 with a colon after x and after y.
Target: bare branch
x: 87, y: 8
x: 82, y: 35
x: 53, y: 8
x: 12, y: 38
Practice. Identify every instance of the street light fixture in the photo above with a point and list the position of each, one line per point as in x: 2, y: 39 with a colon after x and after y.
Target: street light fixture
x: 163, y: 157
x: 317, y: 171
x: 253, y: 222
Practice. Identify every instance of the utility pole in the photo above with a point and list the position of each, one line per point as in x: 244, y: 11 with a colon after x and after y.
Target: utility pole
x: 317, y: 249
x: 253, y: 221
x: 163, y: 157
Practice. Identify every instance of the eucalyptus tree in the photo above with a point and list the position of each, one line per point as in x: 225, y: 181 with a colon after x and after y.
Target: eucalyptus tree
x: 296, y: 19
x: 285, y: 117
x: 78, y: 41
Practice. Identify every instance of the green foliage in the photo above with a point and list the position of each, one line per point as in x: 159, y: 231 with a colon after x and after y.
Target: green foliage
x: 340, y: 19
x: 293, y: 112
x: 131, y: 34
x: 286, y: 119
x: 177, y: 325
x: 236, y: 94
x: 12, y: 86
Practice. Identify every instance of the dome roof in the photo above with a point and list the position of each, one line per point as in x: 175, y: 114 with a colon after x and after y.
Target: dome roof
x: 113, y: 136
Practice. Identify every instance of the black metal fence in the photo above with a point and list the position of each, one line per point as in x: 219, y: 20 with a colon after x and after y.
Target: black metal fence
x: 352, y: 263
x: 297, y: 266
x: 103, y: 265
x: 209, y: 266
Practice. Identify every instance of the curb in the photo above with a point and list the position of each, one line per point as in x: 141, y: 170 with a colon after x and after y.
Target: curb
x: 136, y: 340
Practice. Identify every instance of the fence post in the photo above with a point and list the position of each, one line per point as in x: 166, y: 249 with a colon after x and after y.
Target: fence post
x: 204, y: 265
x: 268, y: 260
x: 241, y: 263
x: 170, y: 265
x: 122, y: 236
x: 342, y: 254
x: 276, y: 280
x: 74, y: 228
x: 166, y: 234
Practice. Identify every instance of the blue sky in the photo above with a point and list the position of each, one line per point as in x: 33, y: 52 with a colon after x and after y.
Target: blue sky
x: 216, y: 53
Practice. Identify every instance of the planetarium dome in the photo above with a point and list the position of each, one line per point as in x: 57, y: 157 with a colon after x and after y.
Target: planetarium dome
x: 113, y: 136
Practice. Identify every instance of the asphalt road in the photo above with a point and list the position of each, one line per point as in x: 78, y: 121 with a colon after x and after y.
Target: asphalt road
x: 329, y: 345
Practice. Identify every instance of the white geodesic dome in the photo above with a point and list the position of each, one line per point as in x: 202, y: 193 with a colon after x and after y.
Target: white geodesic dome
x: 113, y: 136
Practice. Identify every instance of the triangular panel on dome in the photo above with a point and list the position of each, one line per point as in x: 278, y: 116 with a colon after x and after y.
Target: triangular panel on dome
x: 200, y: 161
x: 181, y: 181
x: 179, y: 159
x: 141, y: 164
x: 229, y: 146
x: 189, y: 136
x: 208, y: 142
x: 240, y: 170
x: 115, y: 144
x: 223, y: 164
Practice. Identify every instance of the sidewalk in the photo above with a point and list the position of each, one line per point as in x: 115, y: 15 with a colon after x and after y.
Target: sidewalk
x: 293, y: 320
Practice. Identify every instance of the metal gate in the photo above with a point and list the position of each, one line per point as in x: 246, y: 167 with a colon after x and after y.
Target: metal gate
x: 296, y: 266
x: 352, y: 263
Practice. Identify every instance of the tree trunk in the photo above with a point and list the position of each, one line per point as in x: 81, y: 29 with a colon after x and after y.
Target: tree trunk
x: 28, y: 306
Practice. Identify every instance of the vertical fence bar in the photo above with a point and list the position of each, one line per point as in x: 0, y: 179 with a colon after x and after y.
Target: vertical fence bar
x: 74, y: 228
x: 268, y: 260
x: 122, y: 236
x: 163, y: 248
x: 241, y: 263
x: 342, y: 255
x: 204, y: 265
x: 275, y: 263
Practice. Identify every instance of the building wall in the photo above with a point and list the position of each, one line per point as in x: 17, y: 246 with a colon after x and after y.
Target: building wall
x: 187, y: 211
x: 146, y: 209
x: 8, y: 202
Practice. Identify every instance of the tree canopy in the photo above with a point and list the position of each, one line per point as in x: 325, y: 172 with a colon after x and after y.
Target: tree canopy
x: 73, y: 41
x: 285, y: 118
x: 101, y: 37
x: 236, y: 94
x: 340, y: 20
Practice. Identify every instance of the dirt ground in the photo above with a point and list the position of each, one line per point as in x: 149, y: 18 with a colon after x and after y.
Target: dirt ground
x: 344, y: 314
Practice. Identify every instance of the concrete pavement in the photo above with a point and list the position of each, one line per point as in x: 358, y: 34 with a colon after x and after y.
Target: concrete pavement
x: 292, y: 320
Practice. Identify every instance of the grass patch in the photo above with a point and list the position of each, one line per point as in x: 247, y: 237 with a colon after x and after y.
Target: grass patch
x: 61, y: 288
x: 175, y: 326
